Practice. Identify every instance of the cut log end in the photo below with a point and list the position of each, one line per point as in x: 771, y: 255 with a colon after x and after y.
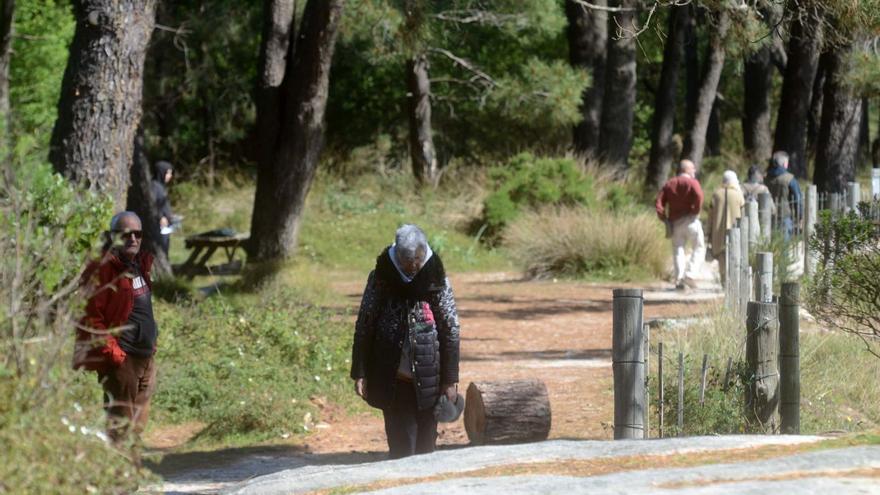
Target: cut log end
x: 505, y: 412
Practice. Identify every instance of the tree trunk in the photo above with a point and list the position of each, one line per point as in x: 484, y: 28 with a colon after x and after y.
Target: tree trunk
x: 692, y: 69
x: 695, y: 143
x: 757, y: 85
x: 838, y: 142
x: 284, y: 178
x: 797, y: 88
x: 275, y: 47
x: 587, y: 43
x: 141, y: 201
x: 421, y: 140
x: 663, y: 124
x: 100, y: 105
x: 615, y: 135
x: 7, y: 13
x: 814, y: 119
x: 864, y: 135
x: 501, y: 412
x: 713, y: 130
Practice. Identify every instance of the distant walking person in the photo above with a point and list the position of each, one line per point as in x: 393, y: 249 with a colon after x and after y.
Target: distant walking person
x: 162, y: 174
x: 785, y: 191
x: 406, y: 342
x: 678, y: 206
x: 117, y: 337
x: 726, y: 208
x: 754, y: 186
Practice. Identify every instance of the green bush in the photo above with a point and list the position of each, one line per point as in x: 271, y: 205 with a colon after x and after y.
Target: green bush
x: 526, y: 181
x: 247, y: 364
x: 50, y: 416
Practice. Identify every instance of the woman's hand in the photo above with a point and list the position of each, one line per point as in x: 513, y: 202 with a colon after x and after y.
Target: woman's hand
x: 360, y: 388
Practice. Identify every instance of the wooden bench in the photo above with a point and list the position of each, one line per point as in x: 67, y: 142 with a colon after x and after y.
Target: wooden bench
x: 204, y: 245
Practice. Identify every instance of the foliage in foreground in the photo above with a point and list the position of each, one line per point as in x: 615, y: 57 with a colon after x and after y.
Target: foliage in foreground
x: 580, y: 241
x: 51, y: 419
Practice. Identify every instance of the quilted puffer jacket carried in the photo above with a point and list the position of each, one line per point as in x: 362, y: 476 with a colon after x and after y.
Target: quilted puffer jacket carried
x: 391, y: 311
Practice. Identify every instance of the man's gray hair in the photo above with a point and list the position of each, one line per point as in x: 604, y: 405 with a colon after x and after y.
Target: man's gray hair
x: 409, y: 240
x: 780, y: 158
x: 114, y: 222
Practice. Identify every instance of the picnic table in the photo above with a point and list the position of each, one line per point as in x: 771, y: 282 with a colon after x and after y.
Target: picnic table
x: 204, y: 245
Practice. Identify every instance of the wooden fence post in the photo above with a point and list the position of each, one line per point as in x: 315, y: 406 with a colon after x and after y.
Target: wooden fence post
x: 762, y: 351
x: 680, y: 394
x: 789, y: 358
x: 703, y: 371
x: 836, y: 204
x: 875, y: 183
x: 628, y: 362
x: 764, y: 282
x: 728, y: 265
x: 745, y: 287
x: 853, y: 196
x: 660, y: 386
x: 765, y: 213
x: 754, y: 224
x: 811, y: 212
x: 727, y: 374
x: 734, y: 272
x: 646, y: 348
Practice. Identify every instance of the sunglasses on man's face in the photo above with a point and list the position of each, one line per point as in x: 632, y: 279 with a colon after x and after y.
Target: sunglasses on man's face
x: 125, y: 234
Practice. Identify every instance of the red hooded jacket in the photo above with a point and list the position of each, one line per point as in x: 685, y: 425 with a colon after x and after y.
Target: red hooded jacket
x: 111, y: 298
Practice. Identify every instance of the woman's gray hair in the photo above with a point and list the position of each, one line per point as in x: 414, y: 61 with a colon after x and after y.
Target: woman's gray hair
x: 409, y: 240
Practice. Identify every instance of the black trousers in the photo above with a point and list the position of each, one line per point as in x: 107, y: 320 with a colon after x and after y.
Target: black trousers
x: 409, y: 431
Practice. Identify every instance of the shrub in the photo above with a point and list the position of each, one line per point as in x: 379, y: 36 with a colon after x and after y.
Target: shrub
x: 577, y: 241
x: 529, y: 182
x: 247, y: 364
x: 845, y: 293
x: 50, y: 416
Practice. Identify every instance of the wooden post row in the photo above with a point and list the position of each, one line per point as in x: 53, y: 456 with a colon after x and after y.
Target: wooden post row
x: 764, y: 215
x: 811, y: 212
x: 764, y: 282
x: 628, y: 364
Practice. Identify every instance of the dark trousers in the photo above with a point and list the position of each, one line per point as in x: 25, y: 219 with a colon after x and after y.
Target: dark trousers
x: 409, y: 430
x: 165, y: 242
x: 127, y: 392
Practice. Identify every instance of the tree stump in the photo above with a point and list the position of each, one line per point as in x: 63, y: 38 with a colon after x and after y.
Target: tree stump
x: 514, y: 411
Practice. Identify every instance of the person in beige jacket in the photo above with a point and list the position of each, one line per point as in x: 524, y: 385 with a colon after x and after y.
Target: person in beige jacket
x: 726, y: 207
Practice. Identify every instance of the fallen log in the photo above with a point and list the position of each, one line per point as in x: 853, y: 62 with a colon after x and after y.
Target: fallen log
x: 500, y: 412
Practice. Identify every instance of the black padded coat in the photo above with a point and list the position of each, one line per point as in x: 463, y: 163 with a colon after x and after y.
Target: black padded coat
x: 392, y: 310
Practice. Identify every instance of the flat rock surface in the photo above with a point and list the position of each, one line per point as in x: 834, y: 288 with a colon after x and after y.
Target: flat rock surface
x: 305, y: 478
x: 853, y: 470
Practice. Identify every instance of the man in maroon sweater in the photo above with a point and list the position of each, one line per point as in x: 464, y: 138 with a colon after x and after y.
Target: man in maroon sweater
x: 678, y: 206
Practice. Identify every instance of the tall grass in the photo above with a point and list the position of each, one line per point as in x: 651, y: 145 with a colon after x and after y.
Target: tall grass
x: 839, y: 377
x: 575, y: 241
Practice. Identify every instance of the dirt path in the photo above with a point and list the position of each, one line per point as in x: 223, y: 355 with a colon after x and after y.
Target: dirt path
x: 558, y: 332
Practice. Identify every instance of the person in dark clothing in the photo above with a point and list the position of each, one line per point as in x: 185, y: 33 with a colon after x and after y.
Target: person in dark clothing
x: 406, y: 342
x: 785, y: 191
x: 118, y: 334
x: 163, y: 172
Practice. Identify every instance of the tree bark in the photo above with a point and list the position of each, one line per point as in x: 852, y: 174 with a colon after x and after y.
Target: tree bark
x: 275, y: 47
x: 141, y: 201
x: 7, y: 14
x: 587, y: 43
x: 814, y: 118
x: 100, y: 105
x: 797, y: 88
x: 692, y: 69
x: 663, y: 124
x: 695, y: 143
x: 615, y: 135
x: 713, y: 130
x: 837, y: 146
x: 864, y: 135
x: 421, y: 140
x: 284, y: 178
x: 757, y: 85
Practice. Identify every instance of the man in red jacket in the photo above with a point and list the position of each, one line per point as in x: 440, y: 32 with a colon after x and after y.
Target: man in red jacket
x: 678, y: 206
x: 117, y: 336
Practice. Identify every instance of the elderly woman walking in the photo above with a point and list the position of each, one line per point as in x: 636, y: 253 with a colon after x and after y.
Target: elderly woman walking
x: 406, y: 342
x: 726, y: 208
